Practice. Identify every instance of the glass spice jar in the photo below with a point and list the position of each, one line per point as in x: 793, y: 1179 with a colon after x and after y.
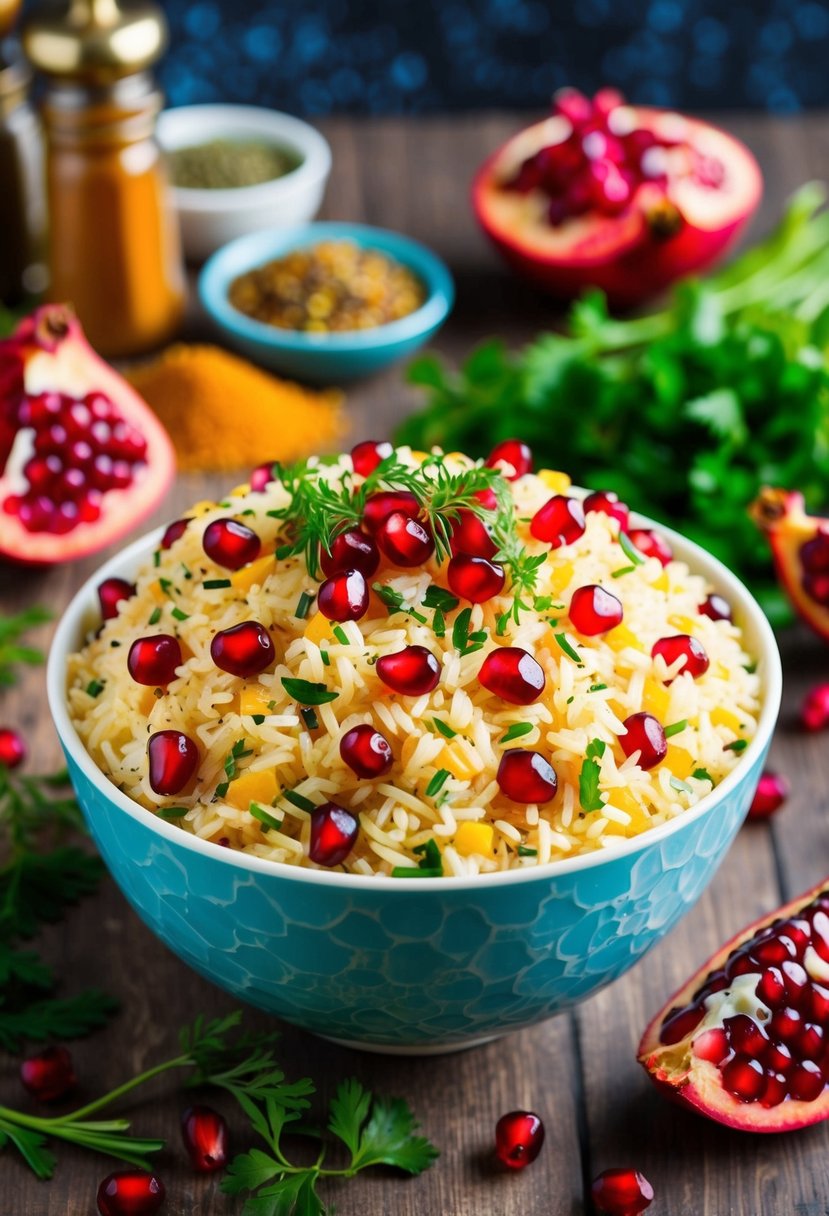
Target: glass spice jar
x: 114, y: 250
x: 22, y: 203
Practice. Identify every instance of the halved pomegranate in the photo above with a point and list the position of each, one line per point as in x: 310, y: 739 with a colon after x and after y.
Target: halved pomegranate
x: 800, y: 549
x: 83, y: 459
x: 602, y: 194
x: 746, y: 1040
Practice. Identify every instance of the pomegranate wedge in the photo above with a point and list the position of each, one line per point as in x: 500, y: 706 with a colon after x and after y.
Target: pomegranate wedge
x: 800, y: 548
x: 746, y: 1040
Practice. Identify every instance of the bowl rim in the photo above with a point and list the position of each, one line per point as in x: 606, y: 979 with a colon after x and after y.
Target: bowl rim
x: 83, y: 607
x: 246, y: 252
x: 300, y: 136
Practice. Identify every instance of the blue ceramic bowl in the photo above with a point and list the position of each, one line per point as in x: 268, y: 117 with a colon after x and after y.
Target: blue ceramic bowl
x: 408, y: 965
x: 325, y: 358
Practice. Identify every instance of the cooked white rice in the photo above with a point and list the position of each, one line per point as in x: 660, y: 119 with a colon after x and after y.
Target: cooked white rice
x: 617, y: 677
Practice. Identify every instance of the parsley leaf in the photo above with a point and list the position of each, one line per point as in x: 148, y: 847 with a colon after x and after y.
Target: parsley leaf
x: 306, y: 692
x: 11, y: 652
x: 378, y: 1131
x: 589, y: 796
x: 516, y: 731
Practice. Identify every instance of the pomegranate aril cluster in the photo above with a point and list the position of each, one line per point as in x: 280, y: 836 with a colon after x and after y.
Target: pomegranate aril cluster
x: 784, y: 1054
x: 814, y: 558
x: 82, y: 447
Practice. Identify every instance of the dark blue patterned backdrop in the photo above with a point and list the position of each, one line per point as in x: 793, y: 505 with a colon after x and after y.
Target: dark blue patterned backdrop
x: 408, y: 56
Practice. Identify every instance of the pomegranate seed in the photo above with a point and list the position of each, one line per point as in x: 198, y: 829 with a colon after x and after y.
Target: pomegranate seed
x: 384, y: 503
x: 519, y: 1136
x: 593, y: 610
x: 651, y: 544
x: 809, y: 1043
x: 487, y: 498
x: 173, y: 531
x: 817, y: 1007
x: 772, y: 791
x: 513, y: 675
x: 712, y: 1045
x: 471, y: 535
x: 526, y: 776
x: 682, y: 646
x: 806, y: 1081
x: 776, y: 1089
x: 814, y: 712
x: 778, y: 1058
x: 366, y: 456
x: 12, y: 747
x: 608, y: 503
x: 745, y: 1035
x: 716, y: 608
x: 475, y: 578
x: 205, y: 1135
x: 243, y: 650
x: 49, y: 1075
x: 412, y: 671
x: 110, y: 594
x: 344, y: 596
x: 130, y: 1193
x: 680, y: 1023
x: 814, y: 554
x: 816, y: 587
x: 512, y: 457
x: 621, y: 1192
x: 559, y: 522
x: 333, y: 832
x: 644, y: 734
x: 351, y: 550
x: 366, y: 751
x: 404, y: 540
x: 153, y: 661
x: 786, y: 1024
x: 230, y: 544
x: 573, y: 105
x: 173, y: 758
x: 262, y: 476
x: 744, y: 1078
x: 771, y: 988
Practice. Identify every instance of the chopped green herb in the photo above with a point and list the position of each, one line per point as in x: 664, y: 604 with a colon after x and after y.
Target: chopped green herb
x: 524, y: 851
x: 155, y: 616
x: 213, y: 584
x: 306, y: 692
x: 303, y: 604
x: 265, y: 817
x: 502, y: 624
x: 516, y: 731
x: 541, y: 603
x: 437, y: 782
x: 589, y: 796
x: 568, y: 648
x: 439, y: 624
x: 222, y: 788
x: 282, y: 551
x: 682, y: 786
x: 341, y: 635
x: 702, y: 774
x: 299, y: 800
x: 596, y: 687
x: 165, y: 585
x: 310, y: 719
x: 237, y: 752
x: 394, y: 601
x: 443, y: 729
x: 676, y: 728
x: 94, y: 688
x: 172, y: 812
x: 570, y: 700
x: 156, y: 557
x: 439, y: 597
x: 187, y: 572
x: 739, y: 745
x: 462, y: 639
x: 326, y: 657
x: 258, y: 719
x: 622, y: 571
x: 416, y: 872
x: 179, y: 615
x: 629, y: 549
x: 429, y: 866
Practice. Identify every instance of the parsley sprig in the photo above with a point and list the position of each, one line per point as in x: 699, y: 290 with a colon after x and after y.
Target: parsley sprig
x: 11, y: 651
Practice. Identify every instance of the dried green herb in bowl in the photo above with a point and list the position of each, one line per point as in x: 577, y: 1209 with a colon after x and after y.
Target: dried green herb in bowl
x: 229, y: 164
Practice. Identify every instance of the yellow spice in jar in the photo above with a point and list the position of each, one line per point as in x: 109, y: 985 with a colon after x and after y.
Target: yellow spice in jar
x: 330, y: 287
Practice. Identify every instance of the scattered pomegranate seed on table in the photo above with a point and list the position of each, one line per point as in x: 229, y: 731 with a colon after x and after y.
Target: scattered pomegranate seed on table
x: 333, y: 833
x: 772, y: 791
x: 526, y: 776
x: 412, y: 671
x: 594, y: 610
x: 651, y: 544
x: 512, y: 674
x: 475, y: 578
x: 621, y: 1192
x: 130, y: 1193
x: 12, y: 747
x: 344, y: 596
x: 243, y: 650
x: 814, y: 712
x: 384, y: 503
x: 351, y: 550
x: 173, y: 758
x: 559, y: 522
x: 519, y: 1137
x: 110, y: 594
x: 644, y: 734
x: 153, y: 660
x: 405, y: 541
x: 205, y: 1135
x: 49, y: 1075
x: 230, y: 543
x: 512, y: 457
x: 366, y: 456
x: 682, y: 646
x: 366, y: 751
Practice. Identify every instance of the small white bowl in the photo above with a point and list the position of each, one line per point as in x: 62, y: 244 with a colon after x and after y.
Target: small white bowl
x: 211, y: 218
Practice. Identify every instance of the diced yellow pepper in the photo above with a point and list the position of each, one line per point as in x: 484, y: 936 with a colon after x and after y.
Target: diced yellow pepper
x: 255, y: 699
x: 202, y: 507
x: 474, y: 838
x: 455, y: 759
x: 252, y: 787
x: 684, y: 624
x: 661, y: 582
x: 724, y: 717
x: 680, y: 762
x: 554, y: 480
x: 157, y: 592
x: 621, y: 637
x: 318, y: 629
x: 253, y: 572
x: 561, y: 575
x: 656, y: 699
x: 419, y: 456
x: 624, y: 800
x: 240, y: 491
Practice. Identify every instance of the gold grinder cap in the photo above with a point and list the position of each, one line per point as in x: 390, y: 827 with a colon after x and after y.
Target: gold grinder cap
x: 8, y: 11
x: 95, y: 41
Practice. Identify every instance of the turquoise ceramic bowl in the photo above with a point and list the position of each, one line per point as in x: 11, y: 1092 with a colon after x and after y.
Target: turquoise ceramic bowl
x: 408, y: 965
x: 325, y: 358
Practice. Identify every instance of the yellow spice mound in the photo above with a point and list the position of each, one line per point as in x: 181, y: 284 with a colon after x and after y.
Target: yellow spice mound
x: 223, y: 413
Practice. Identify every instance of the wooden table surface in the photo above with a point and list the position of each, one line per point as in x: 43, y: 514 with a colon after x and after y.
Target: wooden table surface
x: 577, y: 1071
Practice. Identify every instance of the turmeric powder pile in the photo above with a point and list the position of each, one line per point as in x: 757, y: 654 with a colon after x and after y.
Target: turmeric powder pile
x: 223, y: 414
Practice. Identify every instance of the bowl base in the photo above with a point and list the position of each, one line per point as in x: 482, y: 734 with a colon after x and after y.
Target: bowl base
x: 413, y: 1049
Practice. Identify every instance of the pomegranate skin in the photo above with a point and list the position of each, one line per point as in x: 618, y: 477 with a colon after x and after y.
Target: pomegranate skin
x: 130, y: 1193
x: 753, y: 1103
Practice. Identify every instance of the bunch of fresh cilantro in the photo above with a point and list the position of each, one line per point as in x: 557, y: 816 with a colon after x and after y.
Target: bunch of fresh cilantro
x: 685, y: 413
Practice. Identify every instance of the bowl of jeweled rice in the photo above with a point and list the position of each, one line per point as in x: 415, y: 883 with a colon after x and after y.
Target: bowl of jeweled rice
x: 412, y: 750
